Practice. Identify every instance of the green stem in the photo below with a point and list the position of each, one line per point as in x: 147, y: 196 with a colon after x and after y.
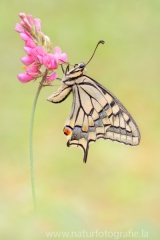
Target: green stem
x: 31, y: 139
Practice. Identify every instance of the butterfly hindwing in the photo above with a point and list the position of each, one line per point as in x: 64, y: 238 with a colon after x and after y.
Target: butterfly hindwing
x: 127, y: 128
x: 95, y: 114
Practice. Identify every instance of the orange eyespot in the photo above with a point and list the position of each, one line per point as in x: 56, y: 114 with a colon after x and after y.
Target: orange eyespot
x: 67, y: 131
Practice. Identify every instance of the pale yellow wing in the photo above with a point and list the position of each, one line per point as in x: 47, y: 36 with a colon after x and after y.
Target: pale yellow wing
x: 95, y: 114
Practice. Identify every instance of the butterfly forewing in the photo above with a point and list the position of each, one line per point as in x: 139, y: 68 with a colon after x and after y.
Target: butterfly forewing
x: 96, y: 113
x: 61, y: 94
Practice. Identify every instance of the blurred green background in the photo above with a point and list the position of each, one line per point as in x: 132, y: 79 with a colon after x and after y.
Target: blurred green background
x: 119, y: 187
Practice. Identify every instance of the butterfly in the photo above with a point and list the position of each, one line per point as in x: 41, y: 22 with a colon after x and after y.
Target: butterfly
x: 96, y: 113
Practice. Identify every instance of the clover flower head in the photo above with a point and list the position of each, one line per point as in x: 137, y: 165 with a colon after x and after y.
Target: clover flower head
x: 38, y: 48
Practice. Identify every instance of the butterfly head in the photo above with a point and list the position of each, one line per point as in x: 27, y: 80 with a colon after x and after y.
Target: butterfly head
x: 78, y: 68
x: 77, y: 71
x: 81, y: 65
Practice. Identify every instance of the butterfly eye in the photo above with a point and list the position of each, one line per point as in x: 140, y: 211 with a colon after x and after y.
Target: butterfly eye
x: 82, y: 65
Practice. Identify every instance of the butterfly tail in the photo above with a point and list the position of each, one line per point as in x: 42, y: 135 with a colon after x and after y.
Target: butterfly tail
x: 85, y: 154
x: 81, y: 145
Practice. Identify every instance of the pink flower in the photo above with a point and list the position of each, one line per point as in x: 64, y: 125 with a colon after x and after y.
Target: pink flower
x: 34, y: 55
x: 25, y: 77
x: 49, y: 61
x: 28, y: 50
x: 27, y: 60
x: 25, y: 37
x: 19, y: 28
x: 25, y: 23
x: 38, y: 48
x: 32, y: 72
x: 22, y: 15
x: 37, y: 53
x: 30, y: 19
x: 52, y: 77
x: 37, y: 23
x: 60, y: 57
x: 30, y: 43
x: 29, y: 26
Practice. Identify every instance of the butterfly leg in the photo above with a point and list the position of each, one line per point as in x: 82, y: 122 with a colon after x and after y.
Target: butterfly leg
x: 62, y: 69
x: 67, y: 69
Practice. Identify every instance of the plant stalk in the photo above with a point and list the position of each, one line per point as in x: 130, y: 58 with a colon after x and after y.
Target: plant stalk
x: 31, y: 139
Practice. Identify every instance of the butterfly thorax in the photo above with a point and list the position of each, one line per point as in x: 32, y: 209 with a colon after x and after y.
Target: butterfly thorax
x: 71, y: 75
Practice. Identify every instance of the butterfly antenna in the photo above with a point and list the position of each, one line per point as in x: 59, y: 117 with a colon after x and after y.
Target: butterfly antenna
x: 102, y: 42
